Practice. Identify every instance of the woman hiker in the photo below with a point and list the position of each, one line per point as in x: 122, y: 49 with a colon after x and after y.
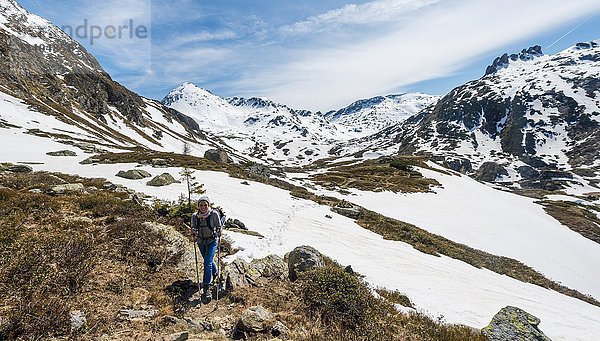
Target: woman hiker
x: 206, y: 226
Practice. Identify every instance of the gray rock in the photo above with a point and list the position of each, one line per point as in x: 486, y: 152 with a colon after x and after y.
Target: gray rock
x: 134, y: 174
x: 179, y: 336
x: 136, y: 314
x: 461, y: 165
x: 90, y: 160
x: 280, y: 329
x: 164, y: 179
x: 235, y: 224
x: 512, y: 323
x: 217, y: 155
x: 19, y: 169
x: 89, y: 147
x: 259, y: 170
x: 242, y: 274
x: 490, y: 171
x: 551, y: 174
x: 68, y: 188
x: 528, y: 172
x: 78, y: 321
x: 160, y: 163
x: 303, y: 258
x: 62, y: 153
x: 271, y: 266
x: 35, y: 191
x: 255, y: 319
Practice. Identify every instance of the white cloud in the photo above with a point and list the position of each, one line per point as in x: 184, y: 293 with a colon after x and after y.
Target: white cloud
x: 428, y: 44
x: 357, y: 14
x: 203, y: 36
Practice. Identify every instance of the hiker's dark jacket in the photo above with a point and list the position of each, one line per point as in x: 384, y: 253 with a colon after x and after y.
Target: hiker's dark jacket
x: 213, y: 222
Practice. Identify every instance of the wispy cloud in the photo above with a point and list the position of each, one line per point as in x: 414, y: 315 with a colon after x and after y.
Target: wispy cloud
x: 310, y: 54
x: 370, y: 13
x: 428, y: 44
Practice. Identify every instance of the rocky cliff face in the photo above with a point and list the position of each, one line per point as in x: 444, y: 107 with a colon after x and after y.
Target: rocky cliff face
x: 528, y: 110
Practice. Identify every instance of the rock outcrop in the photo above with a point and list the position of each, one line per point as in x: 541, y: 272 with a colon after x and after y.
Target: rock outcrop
x: 133, y: 174
x: 239, y: 273
x: 303, y: 258
x: 255, y: 319
x: 512, y: 323
x: 217, y: 155
x: 164, y: 179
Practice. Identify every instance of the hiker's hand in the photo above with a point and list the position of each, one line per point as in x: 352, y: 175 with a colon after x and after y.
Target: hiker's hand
x: 219, y: 232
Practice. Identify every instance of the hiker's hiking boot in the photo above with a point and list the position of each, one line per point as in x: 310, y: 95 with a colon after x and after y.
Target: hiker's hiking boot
x: 206, y: 294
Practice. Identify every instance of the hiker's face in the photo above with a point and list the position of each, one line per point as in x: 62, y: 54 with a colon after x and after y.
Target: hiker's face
x: 203, y: 206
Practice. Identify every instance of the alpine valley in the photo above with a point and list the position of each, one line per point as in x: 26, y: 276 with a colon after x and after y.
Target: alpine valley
x: 460, y: 205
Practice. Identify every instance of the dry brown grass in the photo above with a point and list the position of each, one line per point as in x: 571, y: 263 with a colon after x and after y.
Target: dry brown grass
x: 578, y: 218
x: 395, y: 297
x: 391, y: 174
x: 52, y: 264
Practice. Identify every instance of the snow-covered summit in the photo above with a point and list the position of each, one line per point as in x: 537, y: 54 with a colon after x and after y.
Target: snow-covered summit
x: 368, y: 116
x: 504, y: 61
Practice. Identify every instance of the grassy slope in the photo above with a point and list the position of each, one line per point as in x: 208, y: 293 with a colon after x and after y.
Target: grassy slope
x: 90, y: 252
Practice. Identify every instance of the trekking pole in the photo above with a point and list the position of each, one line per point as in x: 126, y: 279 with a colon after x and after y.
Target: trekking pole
x: 218, y: 267
x: 197, y: 272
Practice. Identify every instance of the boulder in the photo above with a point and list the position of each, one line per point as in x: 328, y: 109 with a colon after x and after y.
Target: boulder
x: 512, y: 323
x: 347, y: 209
x: 179, y: 336
x: 89, y: 147
x: 242, y: 274
x: 303, y: 258
x: 255, y: 319
x: 490, y: 171
x: 136, y: 314
x: 19, y: 169
x: 164, y: 179
x: 259, y: 170
x: 134, y: 174
x: 528, y: 173
x: 217, y: 155
x: 271, y: 266
x: 460, y: 165
x: 160, y: 163
x: 62, y: 153
x: 68, y: 188
x: 235, y: 224
x: 78, y: 321
x: 280, y: 329
x: 551, y: 174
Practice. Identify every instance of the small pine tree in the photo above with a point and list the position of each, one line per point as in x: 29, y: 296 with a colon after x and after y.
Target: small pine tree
x: 193, y: 187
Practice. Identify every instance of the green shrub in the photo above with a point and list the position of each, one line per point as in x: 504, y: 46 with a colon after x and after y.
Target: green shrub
x: 401, y: 164
x: 341, y: 298
x: 395, y: 297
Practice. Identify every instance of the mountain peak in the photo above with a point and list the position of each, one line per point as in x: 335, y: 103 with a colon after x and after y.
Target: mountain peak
x: 503, y: 61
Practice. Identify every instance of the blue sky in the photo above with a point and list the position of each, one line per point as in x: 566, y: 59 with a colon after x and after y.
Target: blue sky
x: 317, y: 55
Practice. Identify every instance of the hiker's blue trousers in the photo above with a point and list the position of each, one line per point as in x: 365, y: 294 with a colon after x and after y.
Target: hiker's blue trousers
x: 208, y: 254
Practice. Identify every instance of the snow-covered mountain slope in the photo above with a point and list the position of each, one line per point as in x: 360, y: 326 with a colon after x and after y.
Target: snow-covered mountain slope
x: 368, y: 116
x: 50, y: 86
x: 530, y: 112
x: 257, y: 127
x: 437, y: 285
x: 498, y: 222
x: 275, y: 132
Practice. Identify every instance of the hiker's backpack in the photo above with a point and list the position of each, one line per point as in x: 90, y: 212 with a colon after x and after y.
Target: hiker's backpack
x: 205, y: 230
